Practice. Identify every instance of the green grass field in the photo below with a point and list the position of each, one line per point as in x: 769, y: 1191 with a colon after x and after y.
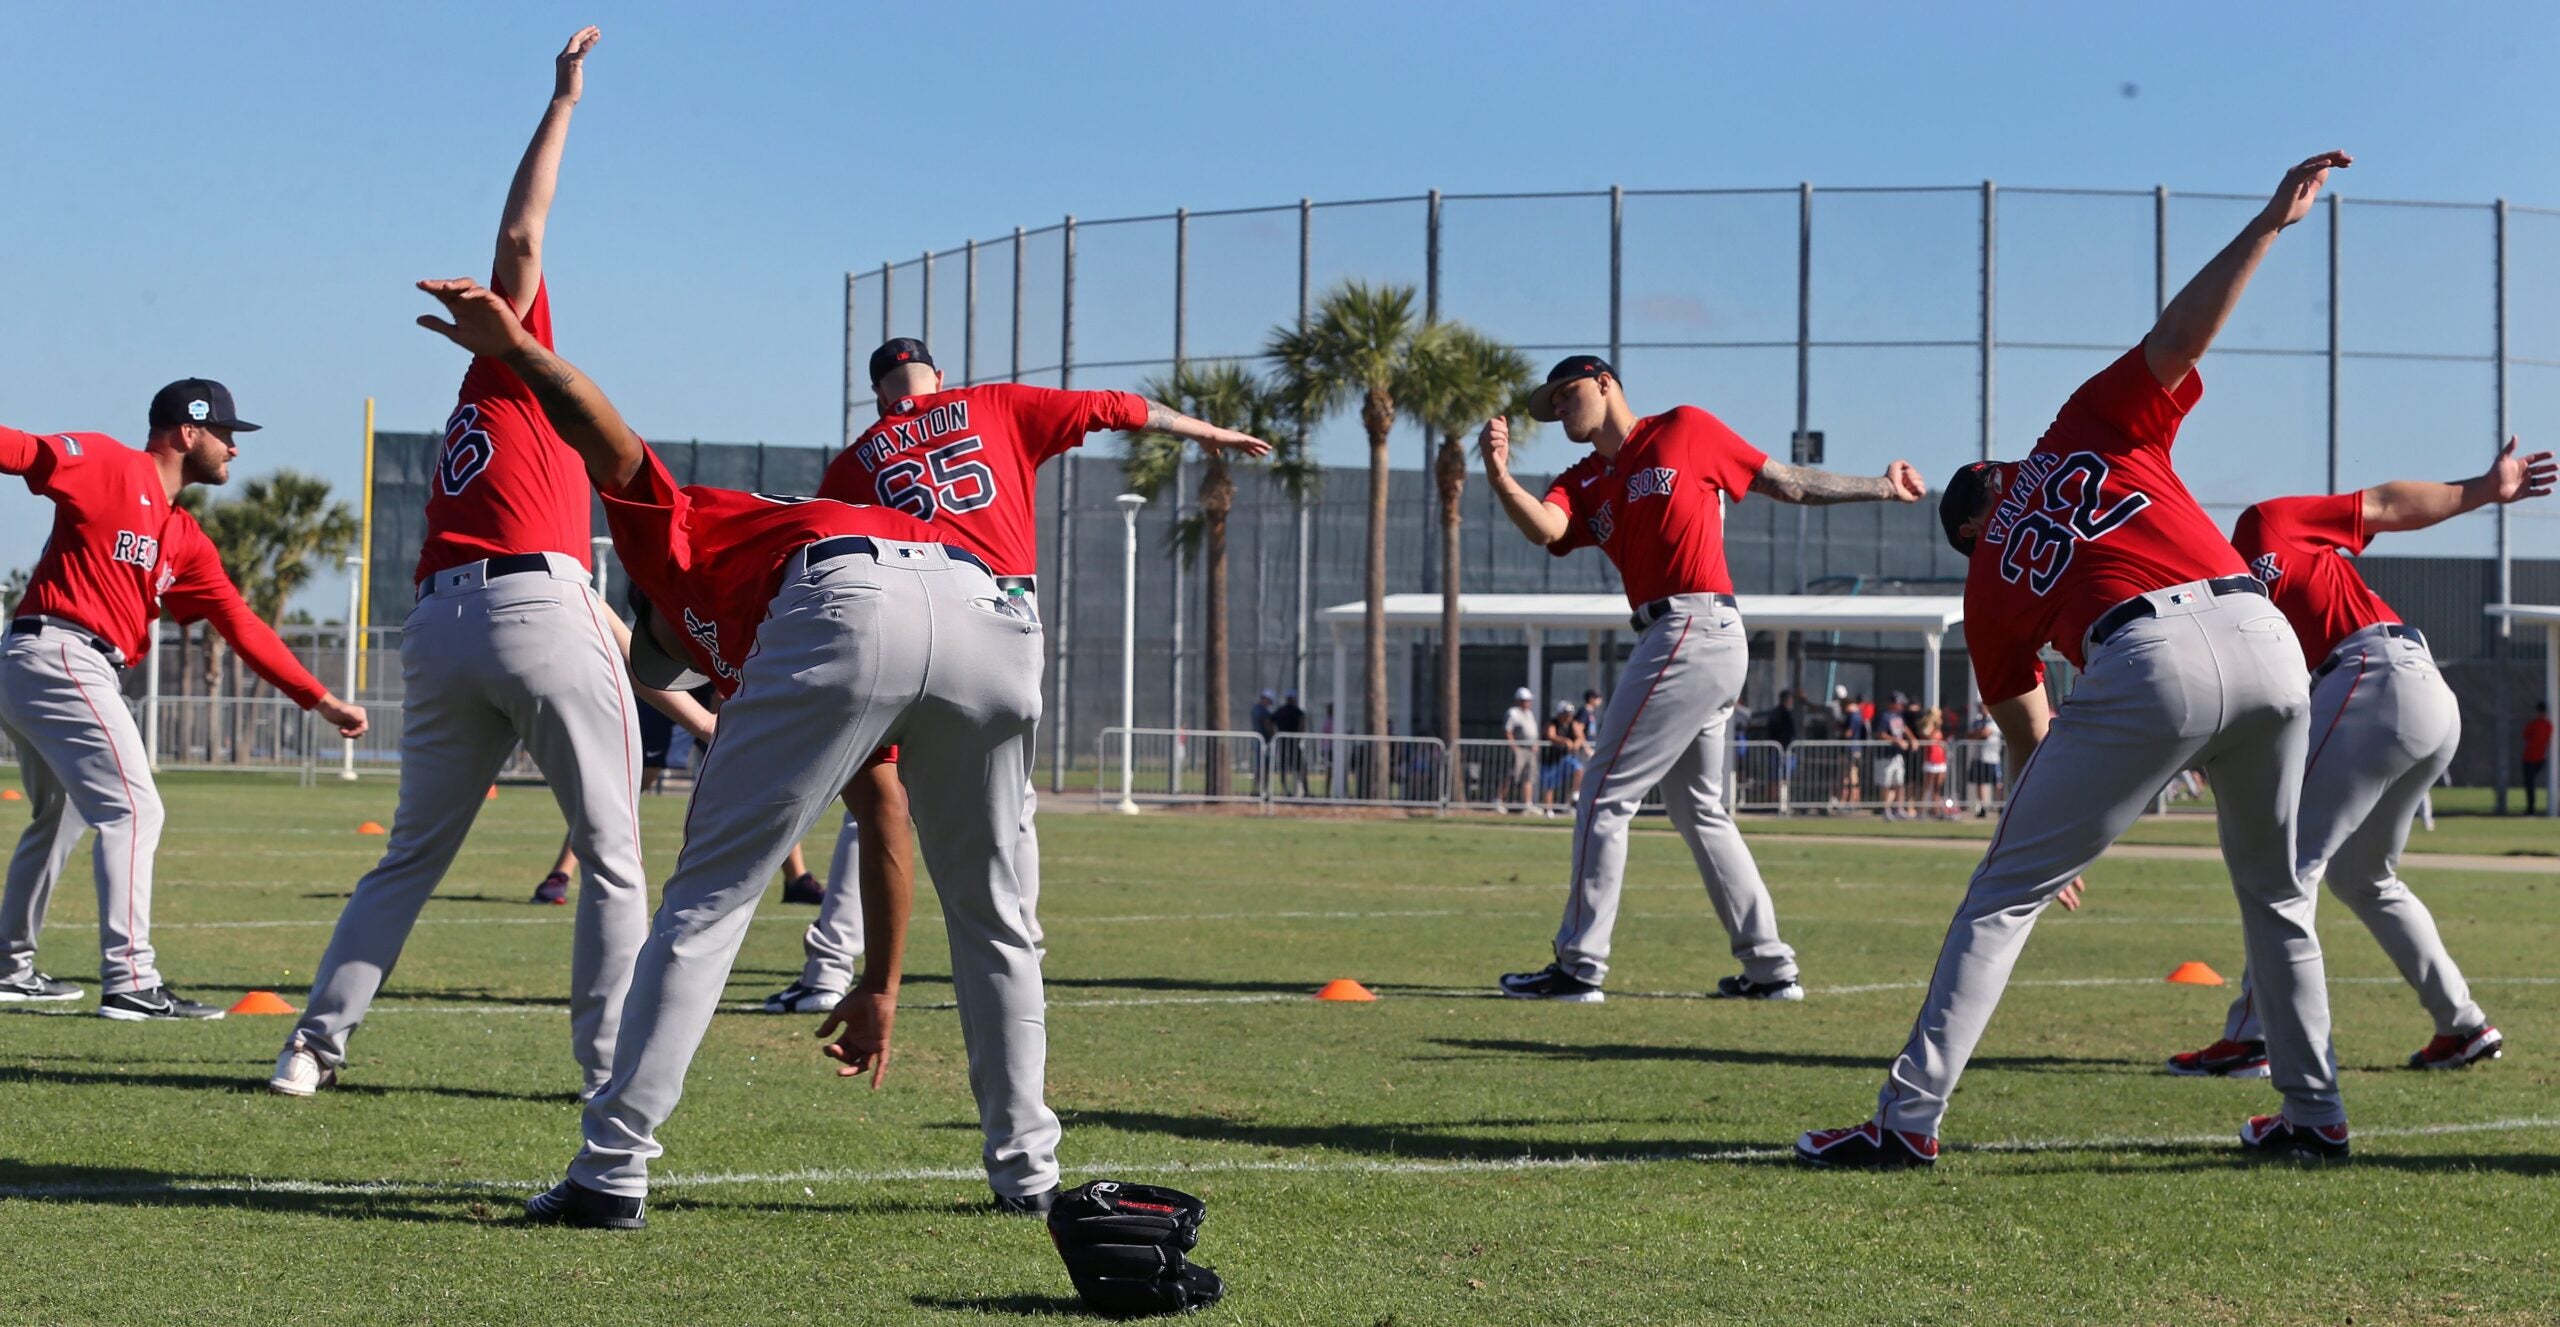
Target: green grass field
x: 1435, y: 1157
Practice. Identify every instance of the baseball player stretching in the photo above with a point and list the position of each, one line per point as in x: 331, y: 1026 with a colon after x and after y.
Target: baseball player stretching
x: 2092, y: 544
x: 507, y: 644
x: 2383, y: 727
x: 966, y: 461
x: 1647, y: 496
x: 834, y: 629
x: 120, y: 553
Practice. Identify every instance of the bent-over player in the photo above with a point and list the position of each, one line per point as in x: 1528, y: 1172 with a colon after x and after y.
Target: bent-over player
x: 122, y: 551
x: 1647, y: 496
x: 2093, y: 544
x: 2383, y: 726
x: 508, y: 643
x: 834, y: 629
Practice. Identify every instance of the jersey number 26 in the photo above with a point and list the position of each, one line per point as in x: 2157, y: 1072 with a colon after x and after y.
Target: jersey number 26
x: 945, y: 481
x: 467, y: 452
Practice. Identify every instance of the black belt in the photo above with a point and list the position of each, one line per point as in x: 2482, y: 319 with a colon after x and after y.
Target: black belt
x: 847, y: 545
x: 35, y: 622
x: 1651, y: 613
x: 2339, y: 655
x: 2134, y: 610
x: 505, y: 564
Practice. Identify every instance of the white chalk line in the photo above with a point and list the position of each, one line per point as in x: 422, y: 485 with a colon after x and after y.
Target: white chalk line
x: 1325, y: 1166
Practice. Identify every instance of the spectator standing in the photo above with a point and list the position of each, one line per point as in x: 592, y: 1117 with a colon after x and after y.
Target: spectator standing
x: 1982, y: 767
x: 1291, y: 720
x: 1520, y: 734
x: 2537, y: 751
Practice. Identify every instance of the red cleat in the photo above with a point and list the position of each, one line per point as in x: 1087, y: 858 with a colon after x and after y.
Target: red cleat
x: 2222, y: 1059
x: 1869, y: 1146
x: 2460, y: 1050
x: 2276, y: 1136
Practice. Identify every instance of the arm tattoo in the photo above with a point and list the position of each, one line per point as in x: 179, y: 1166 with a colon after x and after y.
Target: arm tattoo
x: 1818, y: 488
x: 551, y: 380
x: 1161, y: 417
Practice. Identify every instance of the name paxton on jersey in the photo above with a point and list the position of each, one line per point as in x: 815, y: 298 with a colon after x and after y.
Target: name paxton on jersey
x: 894, y: 436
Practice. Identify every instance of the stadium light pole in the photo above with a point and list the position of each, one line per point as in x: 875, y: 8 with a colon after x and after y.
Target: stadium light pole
x: 355, y: 592
x: 1129, y: 505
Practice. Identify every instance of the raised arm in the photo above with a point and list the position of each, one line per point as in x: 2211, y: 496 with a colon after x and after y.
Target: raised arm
x: 2415, y: 504
x: 578, y: 410
x: 518, y: 266
x: 2187, y: 327
x: 1543, y: 522
x: 1804, y: 485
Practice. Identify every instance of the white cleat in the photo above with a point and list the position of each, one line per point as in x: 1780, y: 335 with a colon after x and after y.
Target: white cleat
x: 299, y: 1073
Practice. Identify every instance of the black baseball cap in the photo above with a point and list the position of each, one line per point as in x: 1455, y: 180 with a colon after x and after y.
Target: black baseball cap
x: 897, y: 352
x: 197, y: 401
x: 1542, y: 402
x: 1963, y: 498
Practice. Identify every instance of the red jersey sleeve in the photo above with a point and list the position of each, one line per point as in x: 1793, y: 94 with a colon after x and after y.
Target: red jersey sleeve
x: 42, y: 458
x: 2004, y: 666
x: 2332, y: 520
x: 202, y: 591
x: 1577, y: 479
x: 1050, y: 421
x: 19, y: 453
x: 1723, y: 458
x: 647, y: 520
x: 488, y: 378
x: 2132, y: 404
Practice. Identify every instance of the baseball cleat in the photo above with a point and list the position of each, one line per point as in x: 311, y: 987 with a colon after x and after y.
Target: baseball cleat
x: 1551, y: 982
x: 1744, y: 988
x: 1869, y: 1146
x: 2460, y: 1050
x: 34, y: 987
x: 1036, y: 1204
x: 2222, y: 1059
x: 803, y: 888
x: 553, y: 890
x: 2276, y: 1136
x: 299, y: 1073
x: 153, y: 1005
x: 570, y: 1203
x: 801, y: 998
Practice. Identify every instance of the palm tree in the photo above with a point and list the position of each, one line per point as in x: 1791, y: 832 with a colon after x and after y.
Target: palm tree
x: 12, y: 590
x: 1229, y: 396
x: 1462, y: 378
x: 1358, y: 346
x: 272, y: 539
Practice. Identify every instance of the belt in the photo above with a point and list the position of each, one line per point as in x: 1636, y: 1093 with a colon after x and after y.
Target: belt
x: 1648, y: 614
x: 505, y: 564
x: 847, y: 545
x: 2134, y: 610
x: 2339, y: 655
x: 35, y: 622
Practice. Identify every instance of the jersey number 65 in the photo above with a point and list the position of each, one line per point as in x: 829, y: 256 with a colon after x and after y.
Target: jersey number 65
x: 945, y: 481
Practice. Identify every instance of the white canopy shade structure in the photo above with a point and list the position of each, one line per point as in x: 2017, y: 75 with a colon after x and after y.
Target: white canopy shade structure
x: 1928, y: 616
x: 2548, y: 617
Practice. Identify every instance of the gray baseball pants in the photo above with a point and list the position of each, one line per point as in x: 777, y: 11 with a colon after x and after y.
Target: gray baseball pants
x: 83, y: 762
x: 911, y: 647
x: 489, y: 663
x: 2383, y: 726
x: 2207, y: 681
x: 1666, y: 725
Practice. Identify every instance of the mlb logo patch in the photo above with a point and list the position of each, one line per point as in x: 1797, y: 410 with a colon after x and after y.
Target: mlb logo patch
x: 2182, y: 596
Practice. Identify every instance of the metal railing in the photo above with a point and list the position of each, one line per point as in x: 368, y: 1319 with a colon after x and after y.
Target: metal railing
x: 1181, y: 765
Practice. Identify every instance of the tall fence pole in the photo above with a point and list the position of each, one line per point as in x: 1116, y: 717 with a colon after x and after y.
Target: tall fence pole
x: 355, y: 591
x: 848, y: 361
x: 969, y: 317
x: 2159, y: 248
x: 1014, y: 373
x: 1060, y: 633
x: 1804, y: 353
x: 925, y: 321
x: 2506, y: 569
x: 888, y: 289
x: 1426, y: 579
x: 1306, y: 513
x: 1129, y: 505
x: 1617, y: 273
x: 1990, y: 305
x: 1181, y: 467
x: 2333, y: 343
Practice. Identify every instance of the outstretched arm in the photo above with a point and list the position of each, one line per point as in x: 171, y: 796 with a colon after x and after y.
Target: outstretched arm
x: 2415, y: 504
x: 2196, y: 316
x: 518, y: 266
x: 1809, y: 487
x: 484, y: 325
x: 1543, y: 522
x: 1162, y: 418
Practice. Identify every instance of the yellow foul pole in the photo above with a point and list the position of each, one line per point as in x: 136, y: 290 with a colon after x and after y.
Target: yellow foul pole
x: 364, y: 585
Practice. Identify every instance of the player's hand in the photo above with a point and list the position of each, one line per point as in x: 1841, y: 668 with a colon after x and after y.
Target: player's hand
x: 2513, y: 478
x: 864, y: 1046
x: 348, y: 719
x: 1231, y: 440
x: 482, y: 323
x: 2069, y: 897
x: 1907, y: 484
x: 568, y: 69
x: 1494, y: 445
x: 2301, y: 187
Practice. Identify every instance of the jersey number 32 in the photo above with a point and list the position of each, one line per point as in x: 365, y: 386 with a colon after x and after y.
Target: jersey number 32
x: 945, y: 481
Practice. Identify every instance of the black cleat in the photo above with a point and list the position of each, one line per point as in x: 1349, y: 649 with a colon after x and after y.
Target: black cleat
x: 1551, y: 982
x: 35, y: 987
x: 1037, y: 1204
x: 152, y: 1006
x: 553, y: 891
x: 570, y: 1203
x: 2276, y: 1136
x: 803, y: 888
x: 1869, y: 1146
x: 1744, y: 988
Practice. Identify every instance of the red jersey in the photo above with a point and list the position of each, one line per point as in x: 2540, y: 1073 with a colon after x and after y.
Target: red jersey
x: 2298, y: 547
x: 1652, y: 507
x: 968, y: 461
x: 505, y: 482
x: 120, y: 551
x: 2093, y: 516
x: 2537, y: 740
x: 713, y: 557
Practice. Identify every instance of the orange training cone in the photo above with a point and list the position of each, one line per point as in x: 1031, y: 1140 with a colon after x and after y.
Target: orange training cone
x: 493, y: 793
x: 2195, y: 974
x: 11, y: 795
x: 371, y: 827
x: 1344, y: 989
x: 263, y: 1002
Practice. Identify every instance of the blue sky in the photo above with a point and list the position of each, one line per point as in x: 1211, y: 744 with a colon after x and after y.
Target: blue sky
x: 244, y: 191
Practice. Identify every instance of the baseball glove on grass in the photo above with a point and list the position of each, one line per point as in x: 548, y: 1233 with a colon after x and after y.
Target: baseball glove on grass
x: 1124, y: 1246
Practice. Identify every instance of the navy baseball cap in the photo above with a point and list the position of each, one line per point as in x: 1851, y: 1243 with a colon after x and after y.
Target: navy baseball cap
x: 200, y: 401
x: 1966, y: 490
x: 1542, y: 402
x: 898, y: 352
x: 651, y: 664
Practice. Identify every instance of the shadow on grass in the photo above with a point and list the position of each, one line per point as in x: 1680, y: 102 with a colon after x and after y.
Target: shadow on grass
x: 116, y: 1186
x: 247, y: 1081
x: 1414, y: 1141
x: 1020, y: 1306
x: 2228, y: 1157
x: 1604, y: 1052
